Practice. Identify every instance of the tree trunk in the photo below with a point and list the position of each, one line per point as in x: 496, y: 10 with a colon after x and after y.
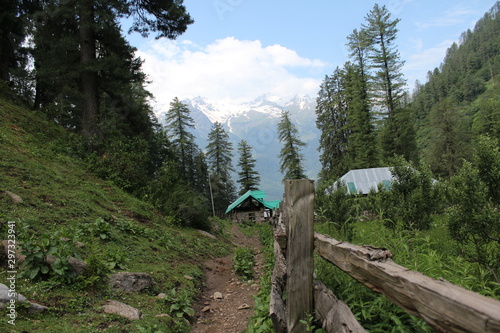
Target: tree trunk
x: 88, y: 77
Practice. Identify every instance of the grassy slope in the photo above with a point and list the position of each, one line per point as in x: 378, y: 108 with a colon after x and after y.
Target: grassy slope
x: 62, y: 200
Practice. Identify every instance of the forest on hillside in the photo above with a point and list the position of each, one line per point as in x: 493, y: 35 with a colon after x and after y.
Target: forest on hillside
x: 441, y: 213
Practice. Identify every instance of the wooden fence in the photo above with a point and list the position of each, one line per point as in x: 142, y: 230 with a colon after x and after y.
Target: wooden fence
x: 444, y: 306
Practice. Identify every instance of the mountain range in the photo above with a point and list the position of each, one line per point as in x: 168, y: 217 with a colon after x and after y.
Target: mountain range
x: 256, y: 122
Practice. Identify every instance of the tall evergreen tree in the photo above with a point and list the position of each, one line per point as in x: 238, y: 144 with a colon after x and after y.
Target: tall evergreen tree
x: 291, y: 164
x: 385, y: 62
x: 83, y: 28
x: 388, y: 84
x: 12, y: 34
x: 178, y: 122
x: 219, y: 156
x: 362, y: 139
x: 248, y: 178
x: 450, y: 140
x: 362, y: 145
x: 331, y: 112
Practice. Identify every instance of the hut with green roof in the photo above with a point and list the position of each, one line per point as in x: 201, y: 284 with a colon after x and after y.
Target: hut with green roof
x: 251, y: 206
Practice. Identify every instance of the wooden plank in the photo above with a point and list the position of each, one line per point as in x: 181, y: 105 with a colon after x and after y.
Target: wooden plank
x: 443, y: 305
x: 278, y: 278
x: 277, y: 311
x: 334, y: 314
x: 299, y: 196
x: 279, y: 234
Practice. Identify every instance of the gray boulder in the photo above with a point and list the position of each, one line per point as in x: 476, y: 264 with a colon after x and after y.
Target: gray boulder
x: 130, y: 282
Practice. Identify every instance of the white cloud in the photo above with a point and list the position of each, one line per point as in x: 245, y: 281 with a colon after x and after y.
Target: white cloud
x: 228, y: 70
x: 426, y: 59
x: 457, y: 14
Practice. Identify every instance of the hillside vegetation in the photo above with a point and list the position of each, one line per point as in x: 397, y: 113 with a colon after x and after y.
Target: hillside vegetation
x: 67, y: 211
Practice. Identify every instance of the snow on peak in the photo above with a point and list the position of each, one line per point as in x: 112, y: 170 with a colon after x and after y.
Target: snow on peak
x: 267, y: 104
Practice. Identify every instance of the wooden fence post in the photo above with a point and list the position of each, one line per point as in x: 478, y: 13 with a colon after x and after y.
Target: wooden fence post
x: 299, y: 198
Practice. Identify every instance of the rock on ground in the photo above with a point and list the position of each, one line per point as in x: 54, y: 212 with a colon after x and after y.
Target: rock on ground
x: 122, y: 309
x: 130, y: 282
x: 6, y: 296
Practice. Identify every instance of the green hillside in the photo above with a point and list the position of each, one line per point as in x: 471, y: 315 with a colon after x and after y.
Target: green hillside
x: 64, y: 210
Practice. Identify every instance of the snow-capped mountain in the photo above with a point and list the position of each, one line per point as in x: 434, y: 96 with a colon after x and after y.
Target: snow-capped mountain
x: 256, y: 122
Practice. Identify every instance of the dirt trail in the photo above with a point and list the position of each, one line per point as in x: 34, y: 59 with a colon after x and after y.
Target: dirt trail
x: 229, y: 314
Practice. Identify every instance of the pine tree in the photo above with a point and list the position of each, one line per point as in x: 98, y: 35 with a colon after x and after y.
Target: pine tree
x: 12, y: 35
x: 291, y: 164
x: 362, y: 146
x: 388, y: 81
x: 331, y: 111
x: 248, y: 177
x: 362, y: 139
x: 219, y: 157
x: 84, y: 25
x: 449, y: 140
x: 178, y: 122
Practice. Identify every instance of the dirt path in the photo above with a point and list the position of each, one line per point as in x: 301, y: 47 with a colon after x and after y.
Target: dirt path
x: 230, y: 313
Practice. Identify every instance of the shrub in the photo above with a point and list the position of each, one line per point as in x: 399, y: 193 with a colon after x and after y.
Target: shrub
x: 335, y: 208
x: 474, y: 219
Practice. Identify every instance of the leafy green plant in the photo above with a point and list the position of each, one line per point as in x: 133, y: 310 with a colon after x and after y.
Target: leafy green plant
x: 101, y: 228
x: 310, y: 324
x: 180, y: 304
x: 35, y: 266
x: 116, y: 259
x: 243, y: 262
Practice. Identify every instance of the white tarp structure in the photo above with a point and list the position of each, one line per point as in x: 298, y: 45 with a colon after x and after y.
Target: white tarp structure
x: 361, y: 181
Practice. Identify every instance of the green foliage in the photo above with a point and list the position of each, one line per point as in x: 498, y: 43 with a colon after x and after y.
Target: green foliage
x: 462, y: 91
x: 173, y: 196
x: 291, y: 165
x: 260, y: 321
x: 101, y: 229
x: 36, y: 267
x: 474, y: 219
x: 179, y: 302
x: 243, y: 262
x: 310, y: 324
x: 248, y: 178
x: 219, y: 157
x: 335, y: 208
x: 125, y: 163
x: 412, y: 199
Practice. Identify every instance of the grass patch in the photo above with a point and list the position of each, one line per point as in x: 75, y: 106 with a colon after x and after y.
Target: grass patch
x: 72, y: 212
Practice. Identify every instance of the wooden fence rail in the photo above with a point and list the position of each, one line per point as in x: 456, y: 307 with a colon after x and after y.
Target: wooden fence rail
x: 444, y: 306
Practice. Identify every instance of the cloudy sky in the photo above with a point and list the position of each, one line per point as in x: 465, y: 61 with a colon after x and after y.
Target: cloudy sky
x: 239, y: 49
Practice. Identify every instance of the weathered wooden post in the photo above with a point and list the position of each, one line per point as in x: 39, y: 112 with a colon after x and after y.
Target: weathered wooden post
x: 299, y: 197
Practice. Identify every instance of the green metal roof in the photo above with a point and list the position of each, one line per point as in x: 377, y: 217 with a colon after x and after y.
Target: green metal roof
x: 257, y: 195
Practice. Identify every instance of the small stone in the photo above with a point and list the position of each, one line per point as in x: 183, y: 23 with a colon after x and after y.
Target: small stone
x: 161, y: 295
x: 17, y: 199
x: 243, y: 306
x: 205, y: 309
x: 218, y: 295
x: 122, y: 309
x: 162, y: 315
x: 188, y: 277
x: 207, y: 234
